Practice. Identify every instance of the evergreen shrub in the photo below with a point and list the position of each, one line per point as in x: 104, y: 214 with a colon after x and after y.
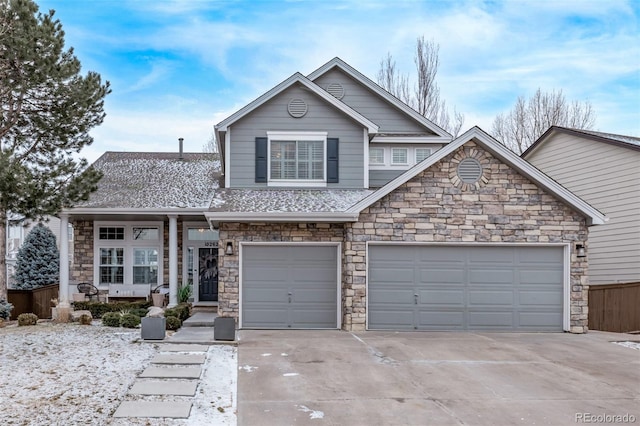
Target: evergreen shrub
x: 5, y: 309
x: 111, y: 319
x: 173, y: 323
x: 38, y: 262
x: 129, y: 320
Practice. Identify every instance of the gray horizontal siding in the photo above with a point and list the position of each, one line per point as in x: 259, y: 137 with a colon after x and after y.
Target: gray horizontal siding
x: 608, y: 177
x: 273, y: 116
x: 369, y: 104
x: 378, y: 178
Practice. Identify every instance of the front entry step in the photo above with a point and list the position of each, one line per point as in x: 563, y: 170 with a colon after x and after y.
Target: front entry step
x: 200, y: 319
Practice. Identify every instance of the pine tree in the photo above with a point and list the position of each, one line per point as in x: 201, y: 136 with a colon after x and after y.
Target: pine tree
x: 47, y: 109
x: 38, y: 260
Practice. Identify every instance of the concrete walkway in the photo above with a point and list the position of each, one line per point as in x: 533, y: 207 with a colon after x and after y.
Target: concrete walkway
x: 175, y: 373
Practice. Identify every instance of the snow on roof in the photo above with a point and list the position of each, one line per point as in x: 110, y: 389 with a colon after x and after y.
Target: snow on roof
x: 286, y: 200
x: 155, y: 180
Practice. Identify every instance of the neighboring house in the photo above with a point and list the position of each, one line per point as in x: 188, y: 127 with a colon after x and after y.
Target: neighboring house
x: 17, y: 232
x: 604, y: 170
x: 341, y: 207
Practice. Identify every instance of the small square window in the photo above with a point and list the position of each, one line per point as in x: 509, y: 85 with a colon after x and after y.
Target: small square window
x: 399, y: 156
x: 422, y: 153
x: 111, y: 233
x: 376, y: 156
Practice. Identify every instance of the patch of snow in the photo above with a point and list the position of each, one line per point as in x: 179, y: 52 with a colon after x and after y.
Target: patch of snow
x: 286, y: 200
x: 291, y: 374
x: 313, y: 414
x: 628, y: 344
x: 247, y: 368
x: 75, y: 374
x: 266, y: 354
x: 284, y: 354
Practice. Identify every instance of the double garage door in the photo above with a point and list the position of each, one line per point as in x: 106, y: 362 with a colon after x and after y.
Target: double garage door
x: 289, y: 286
x: 505, y: 288
x: 409, y: 287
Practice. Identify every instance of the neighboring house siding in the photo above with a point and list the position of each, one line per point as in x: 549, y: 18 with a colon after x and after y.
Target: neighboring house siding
x: 608, y: 177
x: 369, y: 104
x: 273, y: 116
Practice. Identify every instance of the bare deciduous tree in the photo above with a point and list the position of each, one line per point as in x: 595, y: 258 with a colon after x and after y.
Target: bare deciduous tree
x: 529, y: 119
x: 425, y: 98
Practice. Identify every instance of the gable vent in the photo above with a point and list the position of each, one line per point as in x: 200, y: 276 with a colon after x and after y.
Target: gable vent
x: 469, y: 170
x: 297, y: 108
x: 336, y: 90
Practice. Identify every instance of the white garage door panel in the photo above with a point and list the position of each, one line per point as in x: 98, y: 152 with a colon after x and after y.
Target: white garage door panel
x: 465, y: 287
x: 289, y: 286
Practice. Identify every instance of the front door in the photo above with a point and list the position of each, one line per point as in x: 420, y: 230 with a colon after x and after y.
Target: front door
x: 208, y: 274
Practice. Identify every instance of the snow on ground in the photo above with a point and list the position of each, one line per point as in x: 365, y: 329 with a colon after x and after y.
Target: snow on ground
x: 629, y: 344
x: 54, y: 374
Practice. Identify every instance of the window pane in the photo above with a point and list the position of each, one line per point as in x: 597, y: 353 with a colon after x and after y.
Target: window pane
x: 422, y: 153
x: 399, y: 156
x: 201, y: 234
x: 146, y: 233
x: 297, y: 160
x: 111, y: 233
x: 112, y: 275
x: 376, y: 155
x: 111, y: 256
x: 145, y: 269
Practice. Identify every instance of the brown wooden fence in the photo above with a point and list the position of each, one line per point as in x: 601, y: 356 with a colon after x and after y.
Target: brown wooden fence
x: 614, y: 307
x: 37, y: 301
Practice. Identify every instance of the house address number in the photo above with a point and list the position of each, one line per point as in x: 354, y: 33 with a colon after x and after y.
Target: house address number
x: 211, y: 244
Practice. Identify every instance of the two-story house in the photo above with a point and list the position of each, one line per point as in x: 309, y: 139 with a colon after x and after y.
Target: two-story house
x: 341, y: 207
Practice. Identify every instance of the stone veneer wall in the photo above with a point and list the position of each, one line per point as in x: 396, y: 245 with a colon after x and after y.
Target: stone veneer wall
x: 82, y: 268
x: 228, y: 265
x: 435, y: 206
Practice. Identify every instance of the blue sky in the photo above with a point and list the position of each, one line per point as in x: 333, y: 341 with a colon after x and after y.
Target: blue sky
x: 177, y: 67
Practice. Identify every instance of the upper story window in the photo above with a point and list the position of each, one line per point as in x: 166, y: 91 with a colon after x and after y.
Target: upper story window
x: 399, y: 156
x: 111, y: 233
x: 422, y: 153
x: 297, y: 158
x: 376, y: 156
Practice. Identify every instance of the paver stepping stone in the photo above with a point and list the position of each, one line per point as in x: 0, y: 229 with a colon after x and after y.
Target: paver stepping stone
x: 171, y: 373
x: 159, y: 387
x: 171, y: 409
x: 179, y: 359
x: 170, y: 347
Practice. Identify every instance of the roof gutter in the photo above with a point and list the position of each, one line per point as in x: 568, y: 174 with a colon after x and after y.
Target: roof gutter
x: 333, y: 217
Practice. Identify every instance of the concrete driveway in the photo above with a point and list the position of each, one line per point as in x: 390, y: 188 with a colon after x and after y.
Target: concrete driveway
x: 386, y: 378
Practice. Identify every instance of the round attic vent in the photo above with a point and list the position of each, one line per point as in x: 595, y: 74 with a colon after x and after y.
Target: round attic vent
x: 336, y: 90
x: 297, y: 108
x: 469, y: 170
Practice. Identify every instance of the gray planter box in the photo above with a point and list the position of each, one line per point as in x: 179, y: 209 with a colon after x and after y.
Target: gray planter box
x: 224, y: 328
x: 153, y: 328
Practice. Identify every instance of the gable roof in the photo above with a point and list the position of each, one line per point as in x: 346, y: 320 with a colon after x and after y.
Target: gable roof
x: 483, y: 139
x: 152, y: 182
x: 371, y: 85
x: 297, y: 78
x: 630, y: 142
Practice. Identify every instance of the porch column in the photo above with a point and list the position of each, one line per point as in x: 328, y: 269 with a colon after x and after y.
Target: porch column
x: 63, y: 293
x: 173, y: 260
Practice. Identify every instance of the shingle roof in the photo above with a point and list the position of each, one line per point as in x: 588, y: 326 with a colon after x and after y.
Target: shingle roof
x: 620, y: 138
x: 154, y: 180
x: 286, y: 200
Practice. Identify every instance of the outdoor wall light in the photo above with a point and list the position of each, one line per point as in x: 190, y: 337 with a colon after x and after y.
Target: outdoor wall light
x: 580, y: 251
x: 229, y: 249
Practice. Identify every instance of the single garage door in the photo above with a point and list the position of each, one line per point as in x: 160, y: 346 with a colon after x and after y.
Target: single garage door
x: 502, y: 288
x: 289, y: 286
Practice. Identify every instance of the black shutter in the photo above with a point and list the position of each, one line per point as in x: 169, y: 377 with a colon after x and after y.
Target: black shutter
x: 261, y: 160
x: 332, y: 160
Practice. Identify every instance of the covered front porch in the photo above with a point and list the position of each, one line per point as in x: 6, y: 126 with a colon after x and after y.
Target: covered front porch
x: 132, y: 254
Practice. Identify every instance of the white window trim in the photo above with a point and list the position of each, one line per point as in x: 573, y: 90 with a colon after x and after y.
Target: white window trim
x: 128, y: 244
x: 406, y: 150
x: 388, y: 156
x: 297, y: 136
